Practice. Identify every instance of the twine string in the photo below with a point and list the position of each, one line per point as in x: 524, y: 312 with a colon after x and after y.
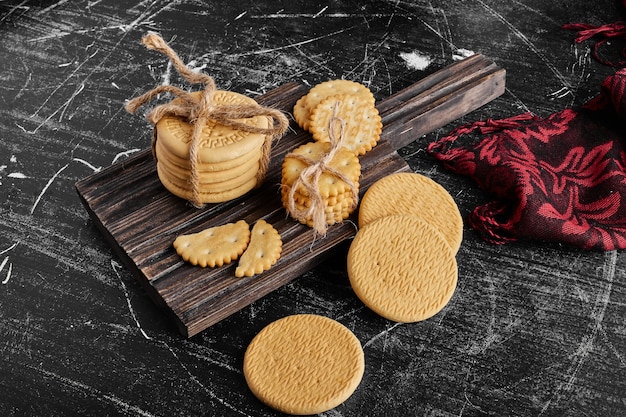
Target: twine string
x: 308, y: 180
x: 198, y: 109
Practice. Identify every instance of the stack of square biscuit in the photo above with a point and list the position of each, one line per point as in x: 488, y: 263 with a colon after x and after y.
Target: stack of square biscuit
x: 352, y: 104
x: 228, y: 159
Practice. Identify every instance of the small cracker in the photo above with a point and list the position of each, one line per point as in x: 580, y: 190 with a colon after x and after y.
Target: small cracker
x: 362, y: 125
x: 262, y: 252
x: 402, y: 268
x: 410, y: 193
x: 334, y: 87
x: 304, y: 364
x: 301, y: 113
x: 344, y: 161
x: 214, y: 246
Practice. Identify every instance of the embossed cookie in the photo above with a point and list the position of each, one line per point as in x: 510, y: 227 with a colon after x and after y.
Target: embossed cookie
x: 219, y: 143
x: 304, y: 364
x: 214, y: 246
x: 410, y: 193
x: 362, y: 124
x: 183, y: 190
x: 262, y: 252
x: 221, y: 167
x: 402, y: 268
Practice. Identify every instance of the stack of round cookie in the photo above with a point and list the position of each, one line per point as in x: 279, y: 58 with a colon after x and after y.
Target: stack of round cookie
x: 228, y: 159
x: 337, y: 196
x: 401, y: 263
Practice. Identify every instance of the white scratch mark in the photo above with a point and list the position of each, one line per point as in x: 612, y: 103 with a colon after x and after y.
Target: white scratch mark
x: 586, y: 345
x: 61, y: 85
x: 126, y: 407
x: 242, y: 14
x: 48, y: 184
x: 52, y: 6
x: 564, y: 91
x: 125, y: 153
x: 93, y: 168
x: 17, y: 175
x: 528, y: 43
x: 379, y: 335
x: 313, y: 16
x: 69, y: 100
x: 10, y: 248
x: 201, y: 385
x: 115, y: 85
x: 115, y: 267
x: 461, y: 54
x: 293, y: 45
x: 147, y: 16
x: 320, y: 12
x: 416, y: 60
x: 9, y: 271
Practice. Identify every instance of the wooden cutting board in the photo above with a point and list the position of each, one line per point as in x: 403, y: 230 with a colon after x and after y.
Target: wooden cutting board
x: 141, y: 219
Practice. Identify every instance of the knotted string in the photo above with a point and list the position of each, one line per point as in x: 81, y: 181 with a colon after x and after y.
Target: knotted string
x: 605, y: 32
x: 309, y: 177
x: 197, y: 109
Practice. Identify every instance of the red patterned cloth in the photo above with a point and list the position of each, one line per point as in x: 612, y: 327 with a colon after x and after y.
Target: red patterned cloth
x: 560, y: 178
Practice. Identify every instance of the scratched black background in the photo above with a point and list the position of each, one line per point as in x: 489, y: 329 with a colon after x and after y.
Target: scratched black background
x: 533, y: 329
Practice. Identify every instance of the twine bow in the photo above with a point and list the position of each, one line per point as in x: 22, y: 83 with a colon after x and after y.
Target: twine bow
x: 198, y: 109
x: 309, y: 179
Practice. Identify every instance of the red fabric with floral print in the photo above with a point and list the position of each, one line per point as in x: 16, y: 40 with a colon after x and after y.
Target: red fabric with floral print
x: 560, y: 178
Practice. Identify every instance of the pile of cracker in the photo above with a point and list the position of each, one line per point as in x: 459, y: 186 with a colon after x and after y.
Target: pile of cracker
x: 228, y: 159
x: 350, y: 104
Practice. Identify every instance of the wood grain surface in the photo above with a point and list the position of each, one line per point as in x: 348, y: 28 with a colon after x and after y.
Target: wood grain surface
x: 534, y: 329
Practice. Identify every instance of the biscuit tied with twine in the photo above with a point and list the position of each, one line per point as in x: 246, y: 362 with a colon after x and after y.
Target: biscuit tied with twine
x: 197, y: 111
x: 309, y: 179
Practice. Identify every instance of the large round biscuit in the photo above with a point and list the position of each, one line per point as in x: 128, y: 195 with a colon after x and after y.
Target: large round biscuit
x: 219, y: 143
x: 410, y: 193
x: 304, y: 364
x: 402, y: 268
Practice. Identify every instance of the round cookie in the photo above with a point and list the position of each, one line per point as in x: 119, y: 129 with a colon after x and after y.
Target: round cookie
x: 344, y: 161
x: 410, y: 193
x: 333, y: 87
x: 219, y: 143
x: 162, y: 152
x: 402, y: 268
x: 212, y: 187
x: 301, y: 113
x: 205, y: 197
x: 248, y: 169
x: 362, y: 124
x: 304, y: 364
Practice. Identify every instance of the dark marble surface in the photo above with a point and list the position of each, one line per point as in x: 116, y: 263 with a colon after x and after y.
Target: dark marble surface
x: 533, y: 329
